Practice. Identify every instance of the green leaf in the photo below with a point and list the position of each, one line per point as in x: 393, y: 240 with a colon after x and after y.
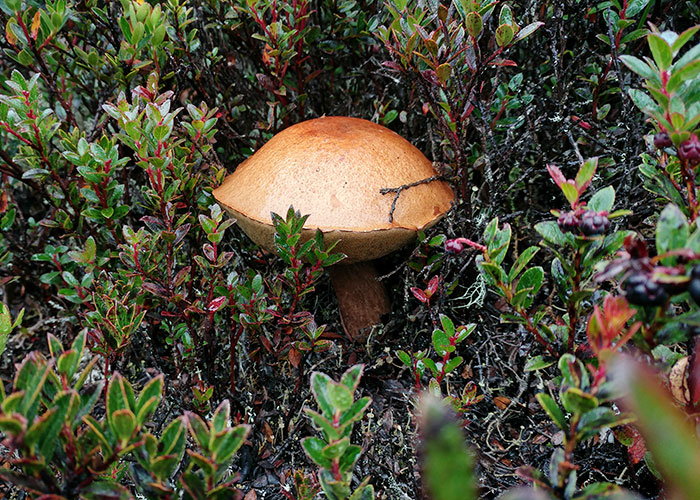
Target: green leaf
x: 504, y: 35
x: 672, y: 231
x: 324, y: 425
x: 199, y: 430
x: 230, y: 444
x: 552, y: 409
x: 313, y: 447
x: 351, y: 378
x: 339, y: 396
x: 538, y: 363
x: 684, y: 38
x: 661, y: 51
x: 634, y: 7
x: 474, y: 24
x: 570, y: 192
x: 453, y: 363
x: 528, y: 30
x: 447, y: 325
x: 531, y: 280
x: 577, y: 401
x: 403, y: 356
x: 550, y: 232
x: 603, y: 200
x: 441, y: 342
x: 681, y: 75
x: 336, y: 449
x: 105, y: 490
x: 355, y: 412
x: 585, y: 173
x: 123, y: 424
x: 639, y: 67
x: 319, y: 388
x: 443, y: 72
x: 349, y: 458
x: 120, y: 396
x: 150, y: 395
x: 173, y: 438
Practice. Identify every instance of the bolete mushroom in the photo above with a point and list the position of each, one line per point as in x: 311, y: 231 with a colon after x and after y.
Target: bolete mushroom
x: 334, y: 169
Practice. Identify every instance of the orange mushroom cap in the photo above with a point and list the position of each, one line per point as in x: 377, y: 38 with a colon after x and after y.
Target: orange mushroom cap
x: 334, y: 168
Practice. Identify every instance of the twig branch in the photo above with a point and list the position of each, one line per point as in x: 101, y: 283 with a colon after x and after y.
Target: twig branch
x: 398, y: 190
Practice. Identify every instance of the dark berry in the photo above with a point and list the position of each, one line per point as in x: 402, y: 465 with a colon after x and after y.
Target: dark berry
x: 568, y: 222
x: 641, y: 290
x: 694, y: 290
x: 594, y: 223
x: 690, y: 150
x: 695, y: 272
x: 453, y: 247
x: 662, y: 140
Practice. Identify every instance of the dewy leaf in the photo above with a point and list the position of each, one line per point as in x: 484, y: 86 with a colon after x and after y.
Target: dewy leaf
x: 550, y: 232
x: 641, y: 100
x: 531, y: 280
x: 339, y: 396
x: 634, y: 7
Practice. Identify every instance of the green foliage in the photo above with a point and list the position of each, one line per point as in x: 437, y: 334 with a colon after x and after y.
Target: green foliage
x: 577, y: 253
x: 672, y: 102
x: 333, y: 453
x: 440, y: 50
x: 447, y: 463
x: 60, y: 449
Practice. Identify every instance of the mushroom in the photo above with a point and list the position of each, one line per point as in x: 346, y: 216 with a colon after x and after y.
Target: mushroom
x: 334, y: 168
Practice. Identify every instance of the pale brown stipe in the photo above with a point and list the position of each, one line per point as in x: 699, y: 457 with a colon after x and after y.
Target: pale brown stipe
x: 333, y: 168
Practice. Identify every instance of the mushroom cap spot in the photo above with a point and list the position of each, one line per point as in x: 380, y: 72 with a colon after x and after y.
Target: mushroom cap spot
x: 333, y: 168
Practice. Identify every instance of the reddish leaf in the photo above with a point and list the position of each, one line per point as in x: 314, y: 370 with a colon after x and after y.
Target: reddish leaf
x: 216, y: 304
x: 155, y: 289
x: 556, y: 175
x: 419, y: 294
x: 294, y: 357
x: 432, y: 286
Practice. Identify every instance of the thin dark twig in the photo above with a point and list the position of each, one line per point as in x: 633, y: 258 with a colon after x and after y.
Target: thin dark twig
x: 398, y: 190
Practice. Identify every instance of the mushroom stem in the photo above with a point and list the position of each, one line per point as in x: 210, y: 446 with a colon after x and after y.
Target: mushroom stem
x: 361, y: 297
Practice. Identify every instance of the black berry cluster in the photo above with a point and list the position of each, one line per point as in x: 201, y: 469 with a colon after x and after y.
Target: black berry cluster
x: 690, y: 151
x: 594, y: 223
x: 586, y: 222
x: 642, y: 290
